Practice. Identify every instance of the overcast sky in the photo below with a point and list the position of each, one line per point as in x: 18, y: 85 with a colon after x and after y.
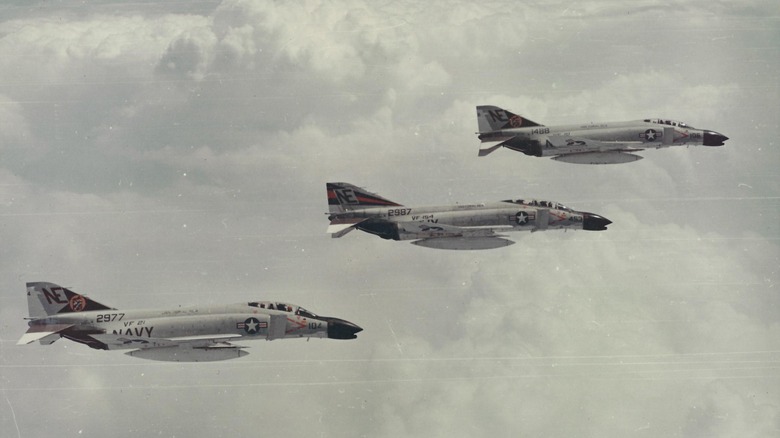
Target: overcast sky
x: 158, y: 154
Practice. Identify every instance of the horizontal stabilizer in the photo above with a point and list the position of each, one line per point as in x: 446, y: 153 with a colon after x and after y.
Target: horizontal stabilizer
x: 464, y: 243
x: 487, y: 150
x: 339, y: 227
x: 39, y: 332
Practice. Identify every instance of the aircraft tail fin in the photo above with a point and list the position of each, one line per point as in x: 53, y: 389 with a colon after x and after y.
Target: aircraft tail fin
x: 343, y: 197
x: 492, y: 118
x: 45, y: 299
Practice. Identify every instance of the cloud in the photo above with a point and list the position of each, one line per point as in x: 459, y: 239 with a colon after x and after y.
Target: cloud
x: 722, y: 410
x: 14, y: 131
x: 173, y: 156
x: 189, y: 55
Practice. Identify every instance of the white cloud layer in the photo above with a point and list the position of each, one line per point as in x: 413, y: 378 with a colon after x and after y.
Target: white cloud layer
x: 157, y: 154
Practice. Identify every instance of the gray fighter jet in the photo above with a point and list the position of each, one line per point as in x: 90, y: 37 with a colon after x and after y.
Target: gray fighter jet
x: 187, y: 334
x: 600, y: 143
x: 470, y: 226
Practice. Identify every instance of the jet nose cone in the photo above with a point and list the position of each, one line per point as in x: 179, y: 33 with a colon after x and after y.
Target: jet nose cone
x: 594, y: 222
x: 341, y: 329
x: 712, y: 138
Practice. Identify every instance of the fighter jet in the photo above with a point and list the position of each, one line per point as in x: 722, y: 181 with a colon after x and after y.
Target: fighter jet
x: 187, y: 334
x: 470, y: 226
x: 600, y: 143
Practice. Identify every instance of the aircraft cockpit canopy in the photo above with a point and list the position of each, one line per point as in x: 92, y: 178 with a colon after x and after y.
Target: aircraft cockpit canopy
x: 669, y: 122
x: 535, y: 203
x: 291, y: 308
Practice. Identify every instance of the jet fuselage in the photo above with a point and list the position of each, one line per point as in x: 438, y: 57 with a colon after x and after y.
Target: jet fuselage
x: 238, y: 319
x: 567, y: 139
x: 460, y: 226
x: 183, y: 334
x: 407, y: 223
x: 590, y: 143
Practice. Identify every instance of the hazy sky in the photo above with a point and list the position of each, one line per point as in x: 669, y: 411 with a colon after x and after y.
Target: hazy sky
x: 171, y: 153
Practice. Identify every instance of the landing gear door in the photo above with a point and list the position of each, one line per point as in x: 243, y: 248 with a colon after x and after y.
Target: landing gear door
x: 278, y: 327
x: 542, y: 218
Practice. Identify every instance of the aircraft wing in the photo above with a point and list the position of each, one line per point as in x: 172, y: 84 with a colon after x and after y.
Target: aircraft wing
x: 581, y: 150
x: 118, y: 341
x: 205, y: 348
x: 554, y: 145
x: 440, y: 236
x: 561, y: 141
x: 443, y: 230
